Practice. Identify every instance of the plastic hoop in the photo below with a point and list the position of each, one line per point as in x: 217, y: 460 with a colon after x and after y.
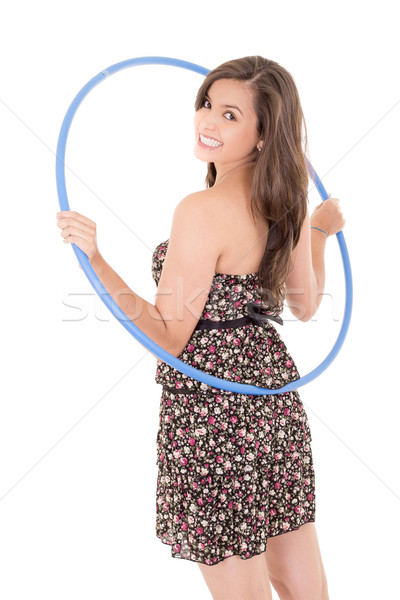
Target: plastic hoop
x: 162, y: 354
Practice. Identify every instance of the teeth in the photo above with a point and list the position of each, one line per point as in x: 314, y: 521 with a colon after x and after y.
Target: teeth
x: 208, y: 142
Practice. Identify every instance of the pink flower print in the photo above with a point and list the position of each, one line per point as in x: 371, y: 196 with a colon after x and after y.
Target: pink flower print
x: 199, y: 530
x: 250, y: 499
x: 287, y: 411
x: 260, y: 423
x: 211, y: 349
x: 297, y: 509
x: 200, y: 501
x: 236, y: 341
x: 237, y: 304
x: 277, y: 485
x: 211, y: 420
x: 183, y: 461
x: 289, y: 363
x: 192, y: 441
x: 228, y: 465
x: 234, y: 419
x: 268, y: 371
x: 241, y: 433
x: 292, y: 447
x: 179, y: 432
x: 218, y: 398
x: 269, y: 342
x: 277, y: 354
x: 219, y: 459
x: 184, y: 526
x: 309, y: 496
x: 177, y: 547
x: 190, y: 348
x: 278, y: 455
x: 250, y: 354
x: 209, y: 365
x: 195, y: 485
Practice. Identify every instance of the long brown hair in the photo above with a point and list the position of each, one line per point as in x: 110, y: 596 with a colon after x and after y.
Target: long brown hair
x: 280, y: 182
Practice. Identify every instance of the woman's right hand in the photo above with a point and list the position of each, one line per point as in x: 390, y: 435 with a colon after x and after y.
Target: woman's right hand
x: 328, y: 216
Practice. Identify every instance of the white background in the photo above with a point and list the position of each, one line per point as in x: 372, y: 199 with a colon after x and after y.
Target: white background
x: 79, y: 404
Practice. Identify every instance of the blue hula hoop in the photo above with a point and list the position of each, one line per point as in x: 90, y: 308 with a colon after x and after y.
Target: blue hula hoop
x: 162, y: 354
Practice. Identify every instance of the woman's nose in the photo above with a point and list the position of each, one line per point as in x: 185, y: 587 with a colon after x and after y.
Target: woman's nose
x: 207, y: 122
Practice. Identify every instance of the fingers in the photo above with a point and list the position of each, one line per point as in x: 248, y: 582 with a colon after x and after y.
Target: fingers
x: 75, y: 223
x: 73, y: 229
x: 79, y: 230
x: 72, y: 214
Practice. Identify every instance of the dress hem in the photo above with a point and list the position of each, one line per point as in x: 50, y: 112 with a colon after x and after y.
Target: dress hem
x: 239, y: 555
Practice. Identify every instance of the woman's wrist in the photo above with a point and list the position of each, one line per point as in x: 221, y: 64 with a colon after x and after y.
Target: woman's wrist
x: 319, y: 229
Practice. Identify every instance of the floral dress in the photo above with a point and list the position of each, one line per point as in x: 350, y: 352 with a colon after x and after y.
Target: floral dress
x: 233, y: 469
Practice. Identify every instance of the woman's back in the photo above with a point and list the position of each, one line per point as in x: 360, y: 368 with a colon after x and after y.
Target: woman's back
x: 242, y: 240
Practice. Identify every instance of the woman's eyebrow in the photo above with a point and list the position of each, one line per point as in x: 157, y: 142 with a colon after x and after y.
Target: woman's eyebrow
x: 226, y: 105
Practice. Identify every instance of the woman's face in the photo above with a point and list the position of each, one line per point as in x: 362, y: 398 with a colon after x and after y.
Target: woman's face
x: 226, y: 124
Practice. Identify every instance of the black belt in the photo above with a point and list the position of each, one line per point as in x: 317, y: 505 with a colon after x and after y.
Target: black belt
x: 255, y: 315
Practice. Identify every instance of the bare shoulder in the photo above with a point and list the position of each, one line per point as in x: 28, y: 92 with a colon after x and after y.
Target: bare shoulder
x: 205, y: 206
x: 207, y: 198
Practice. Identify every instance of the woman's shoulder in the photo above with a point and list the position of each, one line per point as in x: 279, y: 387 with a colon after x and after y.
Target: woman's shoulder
x: 206, y: 196
x: 210, y: 203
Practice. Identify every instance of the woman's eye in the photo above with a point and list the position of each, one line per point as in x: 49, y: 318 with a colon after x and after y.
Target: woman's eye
x: 232, y: 115
x: 206, y: 102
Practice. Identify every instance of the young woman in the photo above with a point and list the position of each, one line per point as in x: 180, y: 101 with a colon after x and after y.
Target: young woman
x: 236, y: 486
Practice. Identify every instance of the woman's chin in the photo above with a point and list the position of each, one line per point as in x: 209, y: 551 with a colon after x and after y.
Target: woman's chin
x: 200, y: 155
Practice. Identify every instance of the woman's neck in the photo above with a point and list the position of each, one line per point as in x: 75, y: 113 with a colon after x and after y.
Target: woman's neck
x: 243, y: 170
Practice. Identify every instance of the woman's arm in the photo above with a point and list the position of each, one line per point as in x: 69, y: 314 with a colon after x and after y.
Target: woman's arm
x: 145, y: 315
x: 186, y: 278
x: 81, y: 230
x: 306, y: 282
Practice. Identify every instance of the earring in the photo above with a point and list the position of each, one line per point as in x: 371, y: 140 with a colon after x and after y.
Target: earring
x: 259, y: 149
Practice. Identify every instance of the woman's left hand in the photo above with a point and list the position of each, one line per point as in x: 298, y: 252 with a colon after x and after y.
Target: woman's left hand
x: 79, y: 230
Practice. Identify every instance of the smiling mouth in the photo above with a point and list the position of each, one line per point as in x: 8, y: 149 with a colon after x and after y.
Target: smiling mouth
x: 209, y: 142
